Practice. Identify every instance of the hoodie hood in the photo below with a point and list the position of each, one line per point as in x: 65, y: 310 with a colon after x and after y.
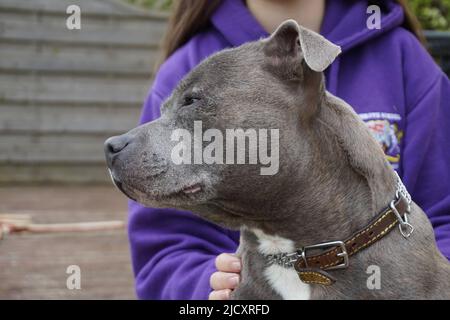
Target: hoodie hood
x: 344, y: 22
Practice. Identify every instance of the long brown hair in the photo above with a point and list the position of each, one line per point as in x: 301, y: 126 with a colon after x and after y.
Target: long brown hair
x: 187, y: 18
x: 191, y: 16
x: 411, y: 22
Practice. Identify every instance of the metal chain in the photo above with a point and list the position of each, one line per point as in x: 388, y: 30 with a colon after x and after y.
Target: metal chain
x: 283, y: 259
x: 401, y: 189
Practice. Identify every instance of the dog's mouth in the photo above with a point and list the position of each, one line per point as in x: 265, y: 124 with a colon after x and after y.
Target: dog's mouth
x: 192, y: 189
x: 119, y: 185
x: 189, y: 191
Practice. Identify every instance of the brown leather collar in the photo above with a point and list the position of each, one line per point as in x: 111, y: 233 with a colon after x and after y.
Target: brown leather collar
x: 312, y: 268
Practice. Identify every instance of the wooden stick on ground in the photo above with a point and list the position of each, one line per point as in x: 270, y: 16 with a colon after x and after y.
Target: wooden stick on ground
x: 71, y: 227
x: 12, y: 223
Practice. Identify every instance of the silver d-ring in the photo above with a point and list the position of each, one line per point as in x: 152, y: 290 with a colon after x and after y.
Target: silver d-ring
x: 406, y: 229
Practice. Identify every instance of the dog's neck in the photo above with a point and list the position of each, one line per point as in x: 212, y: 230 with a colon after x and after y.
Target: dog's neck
x: 345, y: 184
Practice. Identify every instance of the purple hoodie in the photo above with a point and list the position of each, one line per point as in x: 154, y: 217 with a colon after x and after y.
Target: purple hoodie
x: 385, y: 74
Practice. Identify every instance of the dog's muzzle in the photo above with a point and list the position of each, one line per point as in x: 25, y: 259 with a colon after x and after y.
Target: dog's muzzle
x: 113, y: 147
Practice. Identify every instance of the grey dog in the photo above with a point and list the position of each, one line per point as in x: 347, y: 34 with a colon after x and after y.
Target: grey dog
x: 333, y: 178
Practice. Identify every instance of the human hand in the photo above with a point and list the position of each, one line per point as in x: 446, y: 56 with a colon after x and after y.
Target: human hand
x: 226, y: 278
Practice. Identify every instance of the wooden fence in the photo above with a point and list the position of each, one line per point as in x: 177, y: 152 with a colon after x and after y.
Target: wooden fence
x: 63, y: 92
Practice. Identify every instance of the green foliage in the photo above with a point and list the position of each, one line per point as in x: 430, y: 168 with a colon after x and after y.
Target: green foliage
x: 159, y: 5
x: 432, y: 14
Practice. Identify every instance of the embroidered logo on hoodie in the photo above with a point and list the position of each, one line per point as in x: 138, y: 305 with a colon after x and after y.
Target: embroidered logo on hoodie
x: 385, y: 128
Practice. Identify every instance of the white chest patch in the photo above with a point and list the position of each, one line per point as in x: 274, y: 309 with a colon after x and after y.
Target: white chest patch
x: 284, y: 281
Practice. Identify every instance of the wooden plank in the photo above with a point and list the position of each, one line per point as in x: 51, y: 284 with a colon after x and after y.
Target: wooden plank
x: 53, y: 57
x: 86, y: 118
x: 39, y: 173
x: 63, y: 92
x: 57, y: 19
x: 34, y: 266
x: 103, y: 202
x: 102, y: 257
x: 93, y: 30
x: 62, y: 147
x: 104, y: 7
x: 61, y: 5
x: 70, y: 87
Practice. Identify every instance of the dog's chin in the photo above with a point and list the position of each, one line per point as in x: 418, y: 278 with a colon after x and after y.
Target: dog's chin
x: 184, y: 198
x: 190, y: 195
x: 119, y: 185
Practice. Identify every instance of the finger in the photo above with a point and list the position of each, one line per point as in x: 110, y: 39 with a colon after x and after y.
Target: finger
x: 220, y: 294
x: 224, y: 280
x: 227, y: 262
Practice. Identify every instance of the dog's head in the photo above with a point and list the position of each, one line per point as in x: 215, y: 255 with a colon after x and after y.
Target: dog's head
x: 263, y: 92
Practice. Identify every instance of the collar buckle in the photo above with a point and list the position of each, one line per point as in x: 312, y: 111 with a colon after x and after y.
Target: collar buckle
x: 343, y: 254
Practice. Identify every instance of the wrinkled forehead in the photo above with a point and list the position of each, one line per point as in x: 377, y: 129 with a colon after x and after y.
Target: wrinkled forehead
x: 226, y: 67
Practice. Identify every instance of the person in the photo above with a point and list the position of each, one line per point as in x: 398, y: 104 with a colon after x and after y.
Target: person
x: 384, y: 73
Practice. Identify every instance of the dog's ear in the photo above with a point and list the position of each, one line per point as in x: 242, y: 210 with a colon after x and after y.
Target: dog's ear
x: 293, y: 42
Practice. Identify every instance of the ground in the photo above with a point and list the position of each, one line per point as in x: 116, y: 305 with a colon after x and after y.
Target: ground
x: 33, y: 266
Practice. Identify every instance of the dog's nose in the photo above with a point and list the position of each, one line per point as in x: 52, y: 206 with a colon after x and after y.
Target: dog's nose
x: 115, y: 145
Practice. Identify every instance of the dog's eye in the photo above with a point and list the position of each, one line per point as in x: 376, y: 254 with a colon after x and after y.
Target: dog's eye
x: 189, y: 100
